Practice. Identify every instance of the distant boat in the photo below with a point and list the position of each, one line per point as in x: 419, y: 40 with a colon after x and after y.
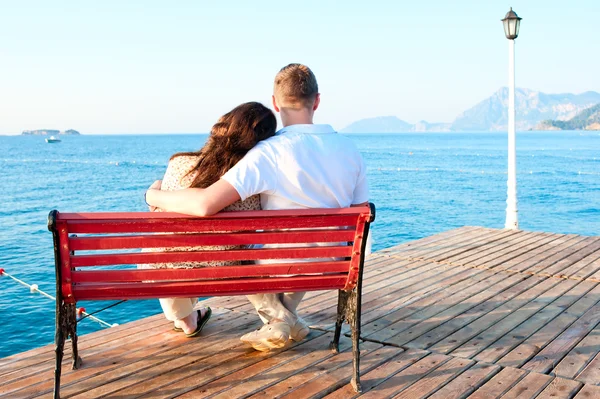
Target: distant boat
x: 52, y: 139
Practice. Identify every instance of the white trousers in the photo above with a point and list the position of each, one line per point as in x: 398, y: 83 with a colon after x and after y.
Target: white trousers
x: 177, y: 308
x: 269, y: 306
x: 277, y: 306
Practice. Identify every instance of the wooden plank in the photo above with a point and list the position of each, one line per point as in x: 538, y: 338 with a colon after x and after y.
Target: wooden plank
x: 29, y: 372
x: 497, y: 346
x: 577, y: 261
x: 516, y: 243
x: 407, y: 377
x: 375, y: 318
x: 466, y: 245
x: 567, y: 258
x: 532, y: 345
x: 436, y: 379
x: 547, y: 258
x: 499, y: 384
x: 595, y: 276
x: 256, y: 375
x: 152, y: 351
x: 515, y: 296
x: 513, y: 252
x: 450, y: 243
x: 454, y: 332
x: 112, y: 336
x: 467, y: 382
x: 560, y: 388
x: 243, y: 376
x: 529, y: 387
x: 589, y: 272
x: 385, y: 292
x: 591, y: 373
x: 372, y: 379
x: 399, y: 325
x: 322, y: 380
x: 489, y: 245
x: 531, y: 257
x: 493, y: 326
x: 424, y: 326
x: 203, y: 359
x: 397, y: 249
x: 403, y: 249
x: 552, y: 354
x: 588, y: 392
x: 577, y: 359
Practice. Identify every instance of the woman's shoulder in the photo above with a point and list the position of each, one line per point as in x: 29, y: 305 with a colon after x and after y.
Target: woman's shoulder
x: 249, y: 204
x: 178, y: 173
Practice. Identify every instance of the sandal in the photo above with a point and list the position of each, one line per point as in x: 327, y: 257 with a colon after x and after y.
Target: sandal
x: 201, y: 322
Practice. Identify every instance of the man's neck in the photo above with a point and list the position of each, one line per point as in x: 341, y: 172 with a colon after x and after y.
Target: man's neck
x: 296, y: 117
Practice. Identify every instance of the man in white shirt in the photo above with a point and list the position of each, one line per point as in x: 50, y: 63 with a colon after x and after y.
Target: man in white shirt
x: 303, y: 166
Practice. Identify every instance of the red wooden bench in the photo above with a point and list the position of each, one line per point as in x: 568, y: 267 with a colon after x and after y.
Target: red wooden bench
x: 85, y: 243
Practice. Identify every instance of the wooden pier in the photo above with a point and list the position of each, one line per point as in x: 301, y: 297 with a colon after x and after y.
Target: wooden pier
x: 473, y: 312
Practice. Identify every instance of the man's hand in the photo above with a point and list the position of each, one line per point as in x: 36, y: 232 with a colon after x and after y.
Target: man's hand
x: 193, y: 201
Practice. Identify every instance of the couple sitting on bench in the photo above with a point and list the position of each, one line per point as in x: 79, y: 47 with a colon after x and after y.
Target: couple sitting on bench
x: 247, y: 165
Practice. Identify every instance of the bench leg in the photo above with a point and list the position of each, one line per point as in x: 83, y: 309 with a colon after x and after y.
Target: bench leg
x: 66, y: 326
x: 59, y: 341
x: 71, y: 310
x: 343, y: 298
x: 353, y: 315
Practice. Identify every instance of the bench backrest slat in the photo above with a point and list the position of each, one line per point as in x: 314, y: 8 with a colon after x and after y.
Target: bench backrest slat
x: 209, y: 273
x: 206, y: 256
x: 188, y: 225
x: 210, y: 288
x: 183, y: 240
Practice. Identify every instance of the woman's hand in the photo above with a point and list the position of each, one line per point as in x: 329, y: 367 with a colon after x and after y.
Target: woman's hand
x: 155, y: 186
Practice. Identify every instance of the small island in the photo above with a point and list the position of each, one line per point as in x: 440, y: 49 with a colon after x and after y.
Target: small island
x: 51, y: 132
x: 588, y: 119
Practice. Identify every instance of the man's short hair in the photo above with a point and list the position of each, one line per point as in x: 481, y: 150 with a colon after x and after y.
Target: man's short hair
x: 295, y: 86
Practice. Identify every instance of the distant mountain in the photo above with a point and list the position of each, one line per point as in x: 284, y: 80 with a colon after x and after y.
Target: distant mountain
x: 392, y: 124
x: 532, y: 107
x: 588, y: 119
x: 45, y: 132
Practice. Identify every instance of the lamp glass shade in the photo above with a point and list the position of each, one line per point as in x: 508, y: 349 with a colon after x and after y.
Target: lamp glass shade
x: 506, y: 32
x: 512, y: 27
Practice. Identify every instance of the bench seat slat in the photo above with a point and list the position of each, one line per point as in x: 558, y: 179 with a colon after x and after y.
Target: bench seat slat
x: 210, y: 225
x: 181, y: 240
x: 218, y: 272
x: 208, y: 288
x: 217, y: 255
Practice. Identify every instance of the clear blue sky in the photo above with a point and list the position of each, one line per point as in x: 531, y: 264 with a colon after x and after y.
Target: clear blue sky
x: 176, y: 66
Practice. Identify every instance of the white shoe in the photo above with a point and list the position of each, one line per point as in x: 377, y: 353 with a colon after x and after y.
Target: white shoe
x: 300, y: 330
x: 270, y: 336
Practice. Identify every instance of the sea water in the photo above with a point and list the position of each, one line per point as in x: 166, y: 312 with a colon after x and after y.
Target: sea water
x: 422, y: 184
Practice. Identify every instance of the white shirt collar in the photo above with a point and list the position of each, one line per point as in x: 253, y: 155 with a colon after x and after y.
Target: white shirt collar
x: 307, y: 128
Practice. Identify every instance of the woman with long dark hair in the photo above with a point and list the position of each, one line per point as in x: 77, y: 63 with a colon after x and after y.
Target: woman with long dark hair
x: 234, y: 134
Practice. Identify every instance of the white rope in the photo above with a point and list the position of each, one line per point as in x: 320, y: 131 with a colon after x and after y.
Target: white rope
x: 33, y: 288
